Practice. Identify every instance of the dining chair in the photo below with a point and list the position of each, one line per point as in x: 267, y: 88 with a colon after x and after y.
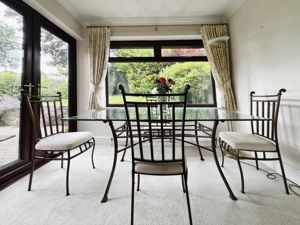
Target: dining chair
x: 195, y: 130
x: 260, y: 145
x: 152, y: 152
x: 51, y: 142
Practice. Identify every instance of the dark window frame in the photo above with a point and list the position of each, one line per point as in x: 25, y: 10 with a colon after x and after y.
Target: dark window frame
x: 157, y: 48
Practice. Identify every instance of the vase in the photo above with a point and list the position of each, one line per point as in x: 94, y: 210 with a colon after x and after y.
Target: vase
x: 165, y: 107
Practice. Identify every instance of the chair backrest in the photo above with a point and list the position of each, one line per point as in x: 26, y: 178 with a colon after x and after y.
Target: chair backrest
x: 46, y: 113
x: 266, y: 106
x: 149, y: 121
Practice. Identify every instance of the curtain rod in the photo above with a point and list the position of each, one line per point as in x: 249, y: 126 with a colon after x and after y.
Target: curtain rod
x: 179, y: 25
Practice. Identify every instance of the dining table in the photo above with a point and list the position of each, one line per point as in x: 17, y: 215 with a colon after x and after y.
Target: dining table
x: 196, y: 115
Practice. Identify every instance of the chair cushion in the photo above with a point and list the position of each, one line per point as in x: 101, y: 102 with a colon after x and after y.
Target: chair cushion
x: 63, y: 141
x: 247, y: 141
x: 159, y: 168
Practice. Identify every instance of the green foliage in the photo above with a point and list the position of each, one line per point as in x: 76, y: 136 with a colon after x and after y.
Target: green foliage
x: 116, y: 78
x: 51, y: 86
x: 56, y: 48
x: 8, y: 42
x: 133, y: 53
x: 133, y: 75
x: 10, y: 83
x: 137, y: 75
x: 196, y: 74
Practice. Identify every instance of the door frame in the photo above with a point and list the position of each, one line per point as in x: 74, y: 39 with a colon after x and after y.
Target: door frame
x: 41, y: 22
x: 33, y: 20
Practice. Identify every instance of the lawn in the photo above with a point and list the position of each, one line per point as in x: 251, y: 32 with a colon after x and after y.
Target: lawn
x: 117, y: 99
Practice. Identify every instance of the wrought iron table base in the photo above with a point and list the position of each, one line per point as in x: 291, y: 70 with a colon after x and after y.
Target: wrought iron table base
x: 117, y: 150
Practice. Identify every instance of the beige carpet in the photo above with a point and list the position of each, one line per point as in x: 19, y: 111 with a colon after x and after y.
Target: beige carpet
x: 160, y: 201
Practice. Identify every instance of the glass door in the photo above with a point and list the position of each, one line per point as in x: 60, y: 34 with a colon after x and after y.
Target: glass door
x: 39, y: 57
x: 11, y: 76
x: 54, y: 75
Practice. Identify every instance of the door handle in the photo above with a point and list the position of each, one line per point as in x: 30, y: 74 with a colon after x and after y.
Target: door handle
x: 29, y: 86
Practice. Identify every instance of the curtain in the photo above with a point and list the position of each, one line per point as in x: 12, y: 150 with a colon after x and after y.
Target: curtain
x: 215, y: 40
x: 99, y: 40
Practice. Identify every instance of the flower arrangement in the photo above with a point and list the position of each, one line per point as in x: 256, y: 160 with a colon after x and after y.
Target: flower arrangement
x: 162, y: 85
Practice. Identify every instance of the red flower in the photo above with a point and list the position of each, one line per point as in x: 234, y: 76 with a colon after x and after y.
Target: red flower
x: 162, y: 80
x: 173, y: 83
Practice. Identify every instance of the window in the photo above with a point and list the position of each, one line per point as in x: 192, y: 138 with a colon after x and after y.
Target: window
x: 136, y: 65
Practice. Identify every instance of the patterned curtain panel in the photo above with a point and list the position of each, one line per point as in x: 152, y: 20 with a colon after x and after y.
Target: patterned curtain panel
x: 215, y: 40
x: 99, y: 40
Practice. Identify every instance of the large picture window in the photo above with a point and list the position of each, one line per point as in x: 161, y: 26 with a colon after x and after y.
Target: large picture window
x: 137, y: 64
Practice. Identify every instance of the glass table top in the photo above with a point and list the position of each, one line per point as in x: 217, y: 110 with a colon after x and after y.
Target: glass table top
x: 192, y: 114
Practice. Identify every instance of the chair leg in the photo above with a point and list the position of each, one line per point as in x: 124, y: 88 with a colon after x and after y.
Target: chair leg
x: 197, y: 142
x: 242, y: 176
x: 67, y: 175
x: 132, y: 198
x: 188, y: 198
x: 31, y: 175
x: 92, y: 156
x: 283, y: 174
x: 138, y: 183
x: 222, y: 153
x: 183, y: 183
x: 256, y: 161
x: 221, y: 147
x: 123, y: 156
x: 126, y: 144
x: 62, y: 160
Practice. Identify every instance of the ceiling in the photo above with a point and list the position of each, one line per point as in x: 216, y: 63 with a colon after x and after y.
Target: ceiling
x: 146, y: 12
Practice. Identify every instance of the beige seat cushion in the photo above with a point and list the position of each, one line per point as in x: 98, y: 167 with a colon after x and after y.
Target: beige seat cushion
x: 159, y: 168
x: 247, y: 141
x: 63, y: 141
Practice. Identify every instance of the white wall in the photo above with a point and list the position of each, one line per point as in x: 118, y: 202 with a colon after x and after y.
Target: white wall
x: 53, y: 11
x: 265, y: 41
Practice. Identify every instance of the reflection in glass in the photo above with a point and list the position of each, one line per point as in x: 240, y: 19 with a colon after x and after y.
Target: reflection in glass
x: 54, y: 67
x: 11, y: 69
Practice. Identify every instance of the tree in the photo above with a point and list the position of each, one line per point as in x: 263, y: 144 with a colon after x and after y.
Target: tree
x: 9, y: 41
x: 56, y: 48
x: 52, y: 86
x: 136, y: 73
x: 9, y: 84
x: 184, y: 52
x: 196, y: 74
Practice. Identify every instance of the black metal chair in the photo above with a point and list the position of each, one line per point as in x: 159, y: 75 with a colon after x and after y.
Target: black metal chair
x: 51, y: 142
x: 262, y: 143
x: 195, y: 130
x: 149, y: 142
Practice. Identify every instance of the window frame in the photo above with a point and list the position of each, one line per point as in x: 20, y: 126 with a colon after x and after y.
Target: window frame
x: 157, y: 48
